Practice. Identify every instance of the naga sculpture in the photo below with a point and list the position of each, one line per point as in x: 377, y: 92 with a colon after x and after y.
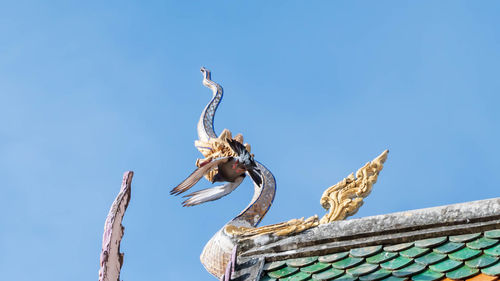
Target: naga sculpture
x: 228, y: 159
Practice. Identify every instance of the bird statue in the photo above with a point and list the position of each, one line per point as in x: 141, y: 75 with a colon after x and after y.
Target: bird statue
x: 228, y: 160
x: 230, y: 169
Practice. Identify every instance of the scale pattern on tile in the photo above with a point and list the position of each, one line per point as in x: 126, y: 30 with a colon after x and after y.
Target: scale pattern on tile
x: 458, y: 257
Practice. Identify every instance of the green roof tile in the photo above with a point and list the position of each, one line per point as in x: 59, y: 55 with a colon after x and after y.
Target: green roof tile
x: 410, y: 270
x: 381, y: 257
x: 346, y: 277
x: 456, y: 257
x: 333, y: 257
x: 431, y: 258
x: 428, y: 275
x: 300, y: 276
x: 283, y: 272
x: 362, y: 269
x: 328, y: 274
x: 273, y: 265
x: 315, y: 268
x: 493, y: 251
x: 464, y: 237
x: 446, y: 265
x: 300, y: 262
x: 481, y: 243
x: 464, y: 254
x: 414, y: 252
x: 495, y: 234
x: 462, y: 272
x: 365, y: 251
x: 398, y: 247
x: 493, y: 270
x: 481, y: 261
x: 396, y: 263
x: 432, y: 242
x: 448, y: 247
x: 347, y: 263
x: 376, y: 275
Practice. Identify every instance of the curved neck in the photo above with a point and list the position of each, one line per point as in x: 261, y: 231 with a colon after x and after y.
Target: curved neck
x: 261, y: 202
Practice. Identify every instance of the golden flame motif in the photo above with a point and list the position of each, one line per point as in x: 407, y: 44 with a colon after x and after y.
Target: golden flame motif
x: 346, y: 197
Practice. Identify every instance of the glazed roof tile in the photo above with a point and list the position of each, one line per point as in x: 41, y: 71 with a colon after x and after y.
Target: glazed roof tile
x: 468, y: 256
x: 454, y: 242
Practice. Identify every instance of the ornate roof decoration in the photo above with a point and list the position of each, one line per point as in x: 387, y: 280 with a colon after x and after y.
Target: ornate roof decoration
x: 346, y: 197
x: 221, y: 161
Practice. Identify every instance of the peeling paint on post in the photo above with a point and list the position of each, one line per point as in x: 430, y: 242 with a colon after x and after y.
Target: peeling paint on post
x: 111, y: 258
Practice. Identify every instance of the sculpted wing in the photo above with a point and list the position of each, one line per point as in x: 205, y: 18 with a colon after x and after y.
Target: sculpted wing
x: 211, y: 194
x: 256, y: 176
x: 197, y: 175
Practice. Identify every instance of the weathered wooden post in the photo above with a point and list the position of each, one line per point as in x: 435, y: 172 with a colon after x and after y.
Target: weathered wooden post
x: 111, y: 258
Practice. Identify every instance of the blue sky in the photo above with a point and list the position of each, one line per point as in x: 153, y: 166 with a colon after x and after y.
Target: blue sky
x: 90, y: 89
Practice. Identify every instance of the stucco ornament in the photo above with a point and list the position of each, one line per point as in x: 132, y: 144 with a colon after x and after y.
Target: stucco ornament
x: 346, y: 197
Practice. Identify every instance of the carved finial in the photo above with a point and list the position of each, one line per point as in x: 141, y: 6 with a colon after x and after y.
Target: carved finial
x: 346, y: 197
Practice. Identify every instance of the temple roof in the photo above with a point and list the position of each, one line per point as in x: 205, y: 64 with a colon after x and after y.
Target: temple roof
x: 460, y: 241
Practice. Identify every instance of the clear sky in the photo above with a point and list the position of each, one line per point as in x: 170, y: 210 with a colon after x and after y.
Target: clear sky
x: 90, y: 89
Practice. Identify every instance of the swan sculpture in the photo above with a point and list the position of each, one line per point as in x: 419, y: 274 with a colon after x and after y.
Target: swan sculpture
x: 342, y: 199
